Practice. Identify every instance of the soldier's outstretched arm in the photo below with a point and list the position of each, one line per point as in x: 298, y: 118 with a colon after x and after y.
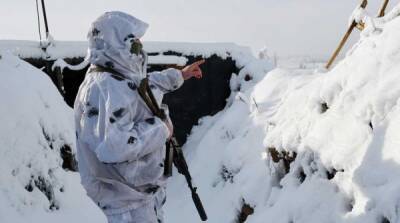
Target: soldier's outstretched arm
x: 171, y: 79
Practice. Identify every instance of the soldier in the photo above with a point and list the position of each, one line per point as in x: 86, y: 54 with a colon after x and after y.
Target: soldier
x: 120, y: 142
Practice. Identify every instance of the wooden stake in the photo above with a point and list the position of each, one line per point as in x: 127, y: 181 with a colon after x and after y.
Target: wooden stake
x: 353, y: 25
x: 383, y: 8
x: 45, y: 20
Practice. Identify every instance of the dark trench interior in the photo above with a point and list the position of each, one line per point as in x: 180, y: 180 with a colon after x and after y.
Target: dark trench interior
x: 195, y: 99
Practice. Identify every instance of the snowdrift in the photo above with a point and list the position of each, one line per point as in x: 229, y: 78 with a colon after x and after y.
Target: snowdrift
x: 303, y: 146
x: 36, y: 128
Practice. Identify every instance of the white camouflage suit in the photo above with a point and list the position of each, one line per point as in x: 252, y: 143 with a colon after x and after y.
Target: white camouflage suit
x: 120, y: 144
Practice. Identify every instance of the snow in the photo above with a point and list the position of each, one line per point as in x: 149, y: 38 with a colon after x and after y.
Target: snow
x: 36, y: 124
x: 32, y: 49
x: 242, y: 55
x: 70, y: 49
x: 339, y: 126
x: 60, y: 63
x: 162, y: 59
x: 159, y: 59
x: 302, y: 62
x: 342, y: 124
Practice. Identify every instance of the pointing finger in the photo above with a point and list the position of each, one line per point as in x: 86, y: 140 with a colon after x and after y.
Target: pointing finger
x: 198, y: 76
x: 200, y: 62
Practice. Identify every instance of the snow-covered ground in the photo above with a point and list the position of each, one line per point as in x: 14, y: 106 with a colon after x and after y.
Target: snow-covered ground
x: 35, y: 124
x: 334, y: 135
x: 340, y: 127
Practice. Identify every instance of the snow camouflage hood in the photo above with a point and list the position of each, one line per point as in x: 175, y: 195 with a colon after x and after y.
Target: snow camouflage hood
x: 110, y: 39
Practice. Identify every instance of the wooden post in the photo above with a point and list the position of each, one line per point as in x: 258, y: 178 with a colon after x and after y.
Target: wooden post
x: 345, y: 38
x: 383, y: 8
x: 45, y: 20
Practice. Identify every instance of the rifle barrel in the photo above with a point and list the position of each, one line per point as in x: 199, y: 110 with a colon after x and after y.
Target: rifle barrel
x: 199, y: 206
x: 181, y: 165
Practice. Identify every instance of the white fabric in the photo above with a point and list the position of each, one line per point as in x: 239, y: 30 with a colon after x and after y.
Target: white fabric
x: 120, y: 144
x: 151, y: 212
x: 110, y: 38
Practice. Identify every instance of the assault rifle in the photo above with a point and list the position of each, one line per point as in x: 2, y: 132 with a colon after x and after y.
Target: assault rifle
x: 174, y: 153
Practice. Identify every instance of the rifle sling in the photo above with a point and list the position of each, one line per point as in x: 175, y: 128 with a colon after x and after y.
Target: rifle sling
x: 148, y: 97
x: 101, y: 69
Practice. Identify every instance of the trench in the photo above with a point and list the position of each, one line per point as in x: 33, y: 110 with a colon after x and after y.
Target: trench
x: 195, y: 99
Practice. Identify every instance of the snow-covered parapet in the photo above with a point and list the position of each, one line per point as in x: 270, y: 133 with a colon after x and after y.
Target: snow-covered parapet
x: 311, y: 147
x: 71, y: 49
x: 242, y: 55
x: 36, y: 127
x: 32, y: 49
x: 167, y: 60
x: 159, y: 59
